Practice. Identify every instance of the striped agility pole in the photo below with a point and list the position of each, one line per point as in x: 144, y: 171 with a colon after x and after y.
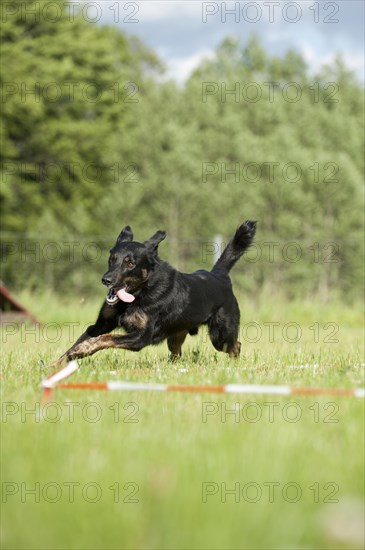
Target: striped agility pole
x: 49, y: 383
x: 54, y: 382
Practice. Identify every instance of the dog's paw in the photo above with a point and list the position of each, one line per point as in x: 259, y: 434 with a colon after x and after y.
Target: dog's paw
x: 250, y: 225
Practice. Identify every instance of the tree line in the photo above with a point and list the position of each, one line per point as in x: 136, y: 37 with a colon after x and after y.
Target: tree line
x: 94, y: 138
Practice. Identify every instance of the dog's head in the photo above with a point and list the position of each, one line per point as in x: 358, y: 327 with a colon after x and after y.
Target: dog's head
x: 130, y: 265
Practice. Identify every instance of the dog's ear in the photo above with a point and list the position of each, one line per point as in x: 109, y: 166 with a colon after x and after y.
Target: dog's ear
x: 152, y: 243
x: 125, y: 236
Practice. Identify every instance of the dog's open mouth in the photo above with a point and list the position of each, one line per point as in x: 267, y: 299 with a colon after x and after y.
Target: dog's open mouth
x: 114, y: 296
x: 111, y: 297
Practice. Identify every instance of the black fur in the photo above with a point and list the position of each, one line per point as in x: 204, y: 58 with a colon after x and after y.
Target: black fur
x: 168, y: 304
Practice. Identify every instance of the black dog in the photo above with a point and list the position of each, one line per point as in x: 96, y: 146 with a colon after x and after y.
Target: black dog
x: 154, y: 301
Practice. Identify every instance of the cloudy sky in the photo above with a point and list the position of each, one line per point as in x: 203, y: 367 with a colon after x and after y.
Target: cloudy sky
x: 185, y: 31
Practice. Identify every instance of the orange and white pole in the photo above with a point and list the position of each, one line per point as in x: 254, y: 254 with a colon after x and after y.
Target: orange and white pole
x: 55, y: 381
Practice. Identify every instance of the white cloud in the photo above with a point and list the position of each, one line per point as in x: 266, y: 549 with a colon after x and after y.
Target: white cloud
x: 181, y: 68
x: 353, y: 60
x: 153, y: 11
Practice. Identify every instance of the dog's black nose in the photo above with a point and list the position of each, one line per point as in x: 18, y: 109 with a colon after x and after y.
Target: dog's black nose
x: 106, y: 281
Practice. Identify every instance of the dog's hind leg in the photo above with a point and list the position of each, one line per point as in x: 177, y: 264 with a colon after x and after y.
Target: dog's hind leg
x: 223, y: 330
x: 174, y: 343
x: 234, y: 350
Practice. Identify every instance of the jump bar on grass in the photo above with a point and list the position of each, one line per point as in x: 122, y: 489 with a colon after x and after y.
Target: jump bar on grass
x: 54, y: 382
x: 50, y: 382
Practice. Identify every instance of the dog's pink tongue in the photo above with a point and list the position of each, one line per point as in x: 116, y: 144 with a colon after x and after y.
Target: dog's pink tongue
x: 125, y: 296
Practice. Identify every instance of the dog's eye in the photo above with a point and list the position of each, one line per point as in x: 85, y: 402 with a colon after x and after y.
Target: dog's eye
x: 129, y: 263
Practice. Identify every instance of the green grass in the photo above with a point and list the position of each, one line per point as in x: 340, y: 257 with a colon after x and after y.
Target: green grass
x: 156, y: 449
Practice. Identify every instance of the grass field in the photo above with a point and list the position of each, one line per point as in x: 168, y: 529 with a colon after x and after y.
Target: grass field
x: 148, y: 470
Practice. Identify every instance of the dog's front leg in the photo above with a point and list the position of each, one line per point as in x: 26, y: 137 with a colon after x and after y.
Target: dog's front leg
x: 134, y: 341
x: 107, y: 320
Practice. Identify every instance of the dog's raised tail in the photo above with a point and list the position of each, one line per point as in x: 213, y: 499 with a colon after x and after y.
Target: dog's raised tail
x: 239, y: 243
